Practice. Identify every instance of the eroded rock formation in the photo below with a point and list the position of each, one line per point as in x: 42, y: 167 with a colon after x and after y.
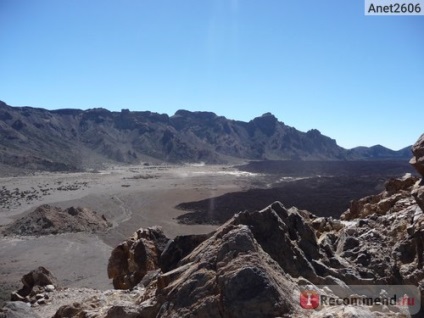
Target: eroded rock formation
x: 132, y: 259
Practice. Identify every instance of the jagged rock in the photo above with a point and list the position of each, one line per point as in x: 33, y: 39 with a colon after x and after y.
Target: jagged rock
x: 228, y: 275
x: 17, y: 309
x: 47, y: 220
x: 275, y: 227
x: 178, y: 248
x: 418, y: 160
x: 132, y: 259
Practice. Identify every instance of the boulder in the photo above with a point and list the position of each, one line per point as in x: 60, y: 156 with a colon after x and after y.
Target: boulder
x: 35, y: 284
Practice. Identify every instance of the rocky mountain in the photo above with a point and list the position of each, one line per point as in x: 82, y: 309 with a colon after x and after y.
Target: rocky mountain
x: 71, y: 139
x: 276, y: 262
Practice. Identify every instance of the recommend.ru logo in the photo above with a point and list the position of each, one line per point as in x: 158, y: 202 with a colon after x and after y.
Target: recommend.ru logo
x: 396, y: 298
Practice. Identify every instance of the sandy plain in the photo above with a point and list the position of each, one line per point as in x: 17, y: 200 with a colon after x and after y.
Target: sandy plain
x: 130, y: 197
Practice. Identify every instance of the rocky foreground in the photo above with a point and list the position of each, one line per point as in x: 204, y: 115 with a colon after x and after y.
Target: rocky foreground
x: 258, y: 263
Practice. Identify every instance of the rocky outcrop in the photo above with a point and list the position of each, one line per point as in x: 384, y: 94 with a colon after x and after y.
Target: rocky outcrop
x: 37, y: 285
x: 254, y: 264
x: 228, y: 275
x: 48, y: 219
x: 132, y: 259
x: 145, y: 252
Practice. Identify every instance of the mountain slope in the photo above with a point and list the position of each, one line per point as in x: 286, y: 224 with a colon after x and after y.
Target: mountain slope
x: 70, y: 139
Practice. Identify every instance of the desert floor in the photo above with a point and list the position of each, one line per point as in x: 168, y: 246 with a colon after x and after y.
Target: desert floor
x: 130, y: 197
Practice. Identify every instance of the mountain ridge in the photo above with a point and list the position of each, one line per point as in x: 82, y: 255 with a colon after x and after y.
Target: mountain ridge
x: 74, y: 139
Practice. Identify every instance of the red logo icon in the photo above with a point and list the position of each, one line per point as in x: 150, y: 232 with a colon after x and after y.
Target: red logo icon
x: 309, y: 299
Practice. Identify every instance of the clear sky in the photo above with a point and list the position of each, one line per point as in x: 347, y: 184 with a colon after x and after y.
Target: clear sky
x: 312, y: 63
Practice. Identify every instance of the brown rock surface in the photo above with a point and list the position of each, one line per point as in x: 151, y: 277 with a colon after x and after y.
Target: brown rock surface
x: 132, y: 259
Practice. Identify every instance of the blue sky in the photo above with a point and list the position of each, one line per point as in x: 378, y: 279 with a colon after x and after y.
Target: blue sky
x: 313, y: 64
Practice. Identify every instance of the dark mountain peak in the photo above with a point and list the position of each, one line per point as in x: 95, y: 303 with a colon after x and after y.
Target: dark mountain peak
x: 266, y: 117
x: 268, y: 114
x: 267, y: 123
x: 314, y: 133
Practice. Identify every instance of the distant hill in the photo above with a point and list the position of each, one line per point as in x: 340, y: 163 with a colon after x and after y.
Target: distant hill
x: 71, y: 139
